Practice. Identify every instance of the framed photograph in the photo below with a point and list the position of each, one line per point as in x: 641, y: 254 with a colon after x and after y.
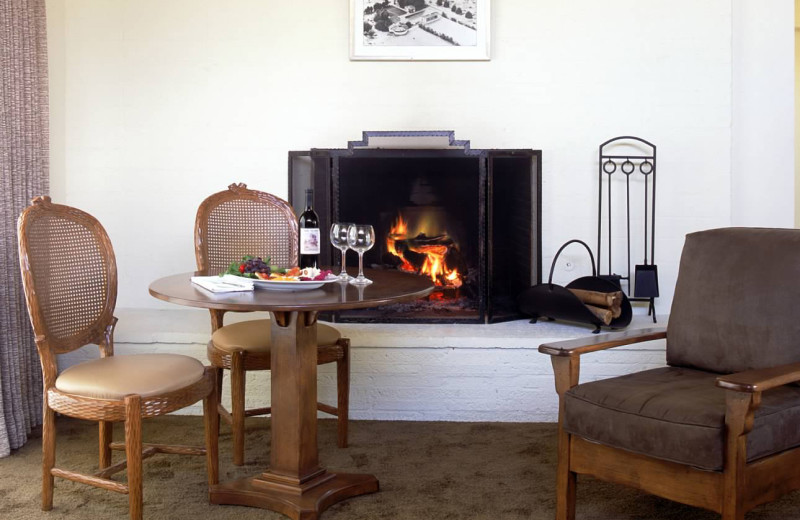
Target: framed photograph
x: 419, y: 29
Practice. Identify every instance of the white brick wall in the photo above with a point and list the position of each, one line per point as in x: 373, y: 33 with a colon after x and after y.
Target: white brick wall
x: 412, y: 372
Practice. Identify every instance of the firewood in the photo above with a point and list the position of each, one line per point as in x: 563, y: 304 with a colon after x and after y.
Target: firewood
x: 601, y: 299
x: 602, y: 314
x: 616, y: 309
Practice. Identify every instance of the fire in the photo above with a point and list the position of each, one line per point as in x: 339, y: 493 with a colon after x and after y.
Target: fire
x: 399, y: 231
x: 434, y: 266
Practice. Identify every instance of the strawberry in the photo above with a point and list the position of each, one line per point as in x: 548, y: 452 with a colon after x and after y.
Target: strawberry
x: 241, y: 268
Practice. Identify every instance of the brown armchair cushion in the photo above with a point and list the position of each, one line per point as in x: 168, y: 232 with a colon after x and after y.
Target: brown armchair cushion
x: 733, y: 308
x: 253, y: 336
x: 677, y: 414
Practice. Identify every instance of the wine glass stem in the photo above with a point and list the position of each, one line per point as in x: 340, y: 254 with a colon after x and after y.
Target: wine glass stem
x: 361, y: 264
x: 344, y: 270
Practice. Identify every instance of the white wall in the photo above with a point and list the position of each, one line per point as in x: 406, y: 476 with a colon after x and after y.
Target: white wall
x: 164, y: 102
x: 796, y: 112
x: 762, y: 170
x: 167, y: 102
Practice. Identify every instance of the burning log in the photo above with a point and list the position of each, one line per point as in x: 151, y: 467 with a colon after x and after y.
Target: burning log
x: 432, y: 256
x: 391, y: 260
x: 422, y: 240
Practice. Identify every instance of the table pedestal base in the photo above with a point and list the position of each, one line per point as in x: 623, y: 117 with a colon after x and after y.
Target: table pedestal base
x: 303, y: 503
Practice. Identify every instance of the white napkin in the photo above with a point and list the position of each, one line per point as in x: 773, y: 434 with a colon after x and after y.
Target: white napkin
x: 227, y: 283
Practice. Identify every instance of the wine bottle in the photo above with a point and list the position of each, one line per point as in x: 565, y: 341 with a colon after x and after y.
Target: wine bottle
x: 310, y: 237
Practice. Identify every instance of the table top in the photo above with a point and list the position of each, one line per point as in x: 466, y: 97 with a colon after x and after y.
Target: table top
x: 387, y: 287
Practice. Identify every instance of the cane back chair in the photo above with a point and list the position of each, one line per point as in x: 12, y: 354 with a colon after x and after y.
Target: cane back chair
x: 229, y: 225
x: 69, y: 274
x: 719, y: 426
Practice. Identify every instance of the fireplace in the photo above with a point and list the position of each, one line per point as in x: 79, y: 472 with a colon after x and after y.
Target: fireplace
x: 470, y: 220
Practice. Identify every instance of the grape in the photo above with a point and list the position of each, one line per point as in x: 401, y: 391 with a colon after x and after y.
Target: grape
x: 249, y: 266
x: 257, y: 265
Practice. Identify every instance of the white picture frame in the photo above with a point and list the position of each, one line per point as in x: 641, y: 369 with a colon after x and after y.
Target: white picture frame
x: 405, y: 30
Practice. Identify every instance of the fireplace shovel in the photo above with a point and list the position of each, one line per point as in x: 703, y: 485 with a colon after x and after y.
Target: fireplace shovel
x: 645, y: 281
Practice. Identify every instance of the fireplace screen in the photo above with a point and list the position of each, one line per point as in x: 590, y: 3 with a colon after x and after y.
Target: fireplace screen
x: 434, y: 216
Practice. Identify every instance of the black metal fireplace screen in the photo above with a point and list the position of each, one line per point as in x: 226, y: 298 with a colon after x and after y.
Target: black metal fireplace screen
x: 468, y: 219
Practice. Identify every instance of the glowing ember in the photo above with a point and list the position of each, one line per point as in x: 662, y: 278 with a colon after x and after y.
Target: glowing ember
x: 434, y: 266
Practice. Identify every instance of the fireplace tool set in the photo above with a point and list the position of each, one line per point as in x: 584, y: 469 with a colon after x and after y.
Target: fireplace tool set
x: 607, y: 292
x: 645, y: 275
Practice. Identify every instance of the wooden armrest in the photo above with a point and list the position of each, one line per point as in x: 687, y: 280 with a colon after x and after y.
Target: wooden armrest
x: 576, y: 347
x: 761, y: 379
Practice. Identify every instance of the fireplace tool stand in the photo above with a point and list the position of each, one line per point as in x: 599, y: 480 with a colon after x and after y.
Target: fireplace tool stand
x: 644, y: 283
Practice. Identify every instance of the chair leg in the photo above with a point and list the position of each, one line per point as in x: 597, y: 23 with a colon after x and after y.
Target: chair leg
x: 566, y: 481
x: 343, y: 393
x: 739, y: 410
x: 734, y: 483
x: 106, y: 436
x: 567, y: 370
x: 238, y: 377
x: 133, y: 452
x: 733, y: 513
x: 211, y: 420
x: 48, y: 455
x: 218, y: 373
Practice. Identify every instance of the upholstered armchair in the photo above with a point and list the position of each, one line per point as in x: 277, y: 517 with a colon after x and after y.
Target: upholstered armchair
x: 719, y: 426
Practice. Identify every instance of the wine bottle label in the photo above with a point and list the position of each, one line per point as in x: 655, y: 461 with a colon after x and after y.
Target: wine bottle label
x: 309, y: 241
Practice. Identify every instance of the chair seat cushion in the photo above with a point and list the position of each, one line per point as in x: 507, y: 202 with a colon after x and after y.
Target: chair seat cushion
x: 254, y: 336
x: 117, y: 376
x: 677, y: 414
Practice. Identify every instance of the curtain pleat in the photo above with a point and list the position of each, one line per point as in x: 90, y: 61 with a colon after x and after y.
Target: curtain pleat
x: 24, y: 174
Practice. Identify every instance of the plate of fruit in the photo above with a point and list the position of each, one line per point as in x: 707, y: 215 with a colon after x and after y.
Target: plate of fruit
x: 267, y: 276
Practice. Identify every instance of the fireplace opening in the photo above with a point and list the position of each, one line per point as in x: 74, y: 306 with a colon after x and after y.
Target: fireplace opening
x: 442, y: 211
x: 426, y: 211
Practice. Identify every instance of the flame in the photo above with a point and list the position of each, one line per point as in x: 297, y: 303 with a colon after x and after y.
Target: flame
x: 399, y: 231
x: 434, y: 266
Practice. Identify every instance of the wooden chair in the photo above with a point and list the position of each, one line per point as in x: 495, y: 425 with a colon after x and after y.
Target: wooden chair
x: 69, y: 273
x: 719, y: 427
x: 229, y: 225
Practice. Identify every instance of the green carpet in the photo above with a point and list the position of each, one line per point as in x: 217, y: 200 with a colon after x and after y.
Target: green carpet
x: 426, y: 471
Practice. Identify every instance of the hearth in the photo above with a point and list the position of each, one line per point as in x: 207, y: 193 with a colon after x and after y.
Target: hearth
x: 470, y: 220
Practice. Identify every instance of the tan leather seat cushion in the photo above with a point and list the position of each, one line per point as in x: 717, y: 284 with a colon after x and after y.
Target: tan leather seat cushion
x: 117, y: 376
x: 253, y: 336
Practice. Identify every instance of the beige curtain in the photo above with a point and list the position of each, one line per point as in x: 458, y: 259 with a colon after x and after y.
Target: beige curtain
x: 24, y: 173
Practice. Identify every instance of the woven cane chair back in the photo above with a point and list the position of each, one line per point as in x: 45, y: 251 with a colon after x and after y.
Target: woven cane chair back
x: 238, y: 222
x: 69, y: 273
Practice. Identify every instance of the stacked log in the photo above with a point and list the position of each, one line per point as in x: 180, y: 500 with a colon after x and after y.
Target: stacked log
x: 604, y: 305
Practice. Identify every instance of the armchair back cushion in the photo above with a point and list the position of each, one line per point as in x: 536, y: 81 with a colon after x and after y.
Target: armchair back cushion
x: 733, y: 308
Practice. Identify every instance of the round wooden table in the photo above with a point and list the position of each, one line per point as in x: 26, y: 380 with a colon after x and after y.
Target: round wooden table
x: 294, y: 484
